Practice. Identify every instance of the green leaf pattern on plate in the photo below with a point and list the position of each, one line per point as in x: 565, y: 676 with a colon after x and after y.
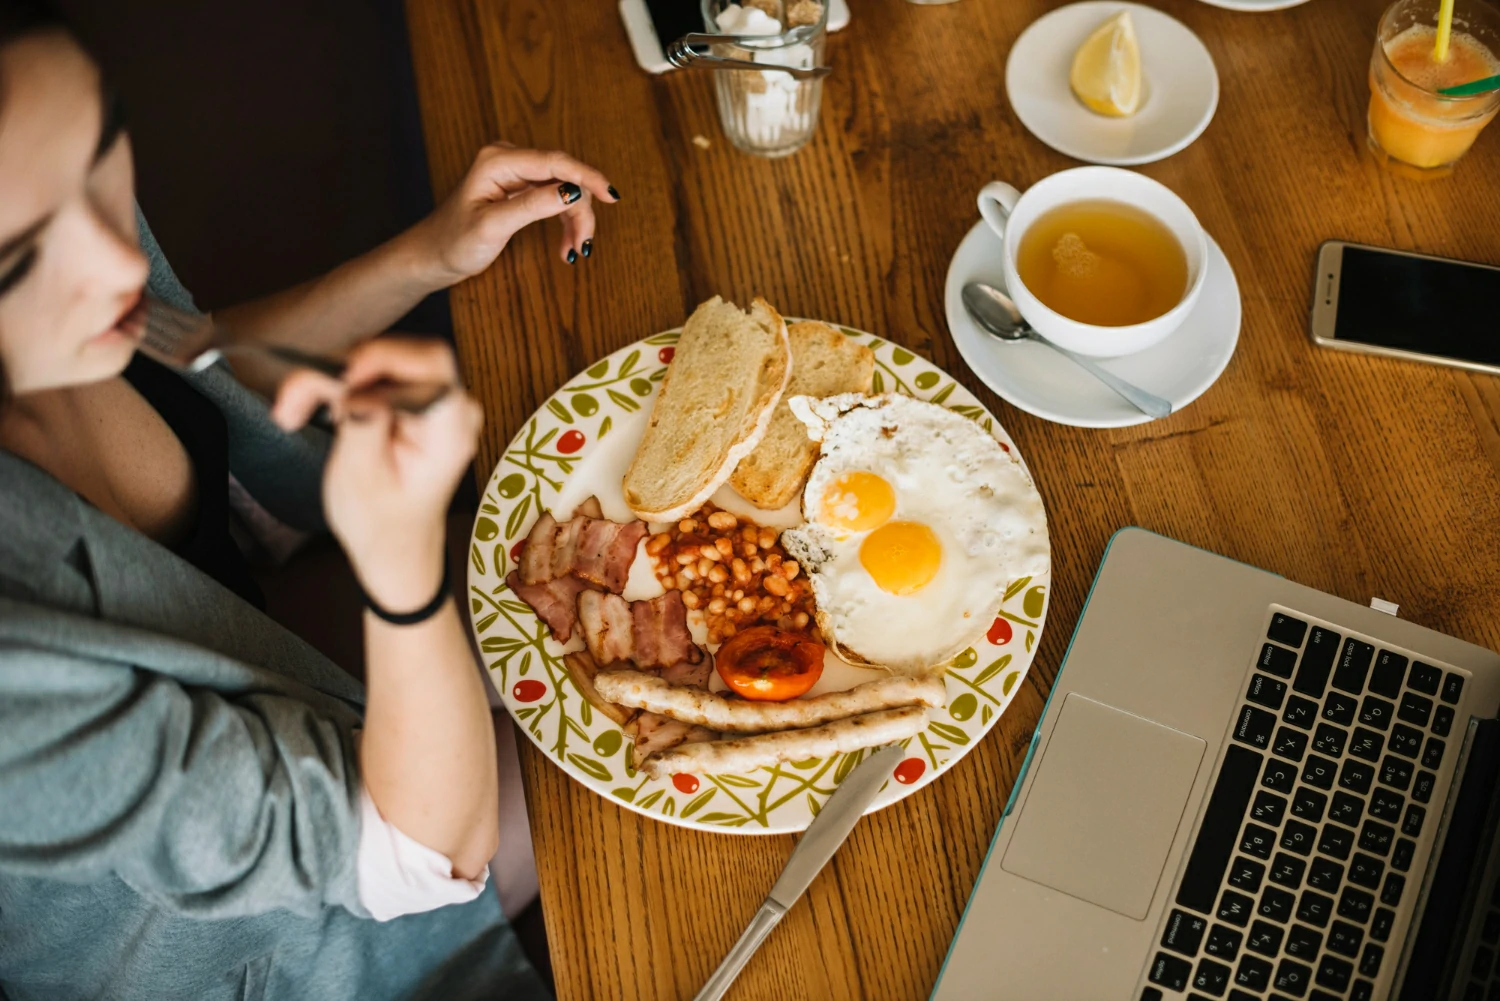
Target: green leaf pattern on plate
x: 550, y: 447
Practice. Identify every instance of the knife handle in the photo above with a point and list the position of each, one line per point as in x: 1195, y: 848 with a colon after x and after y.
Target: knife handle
x: 769, y: 915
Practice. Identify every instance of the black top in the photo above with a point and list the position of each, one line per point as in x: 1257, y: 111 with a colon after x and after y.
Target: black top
x: 200, y: 427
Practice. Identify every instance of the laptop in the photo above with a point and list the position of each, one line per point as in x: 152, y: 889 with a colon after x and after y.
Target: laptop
x: 1244, y: 788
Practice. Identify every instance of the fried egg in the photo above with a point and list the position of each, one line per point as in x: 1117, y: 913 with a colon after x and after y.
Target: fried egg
x: 915, y: 519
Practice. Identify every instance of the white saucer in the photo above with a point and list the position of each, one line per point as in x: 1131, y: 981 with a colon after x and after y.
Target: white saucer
x: 1040, y: 381
x: 1182, y: 86
x: 1254, y: 6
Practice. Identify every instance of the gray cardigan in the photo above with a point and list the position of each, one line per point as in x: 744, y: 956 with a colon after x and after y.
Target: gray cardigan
x: 178, y: 786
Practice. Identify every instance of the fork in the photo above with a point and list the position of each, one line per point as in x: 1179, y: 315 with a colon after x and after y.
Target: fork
x: 184, y: 341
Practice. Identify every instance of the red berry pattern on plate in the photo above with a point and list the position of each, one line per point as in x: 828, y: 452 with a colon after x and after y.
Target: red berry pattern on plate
x: 1000, y: 632
x: 570, y: 442
x: 529, y: 690
x: 685, y: 783
x: 910, y: 770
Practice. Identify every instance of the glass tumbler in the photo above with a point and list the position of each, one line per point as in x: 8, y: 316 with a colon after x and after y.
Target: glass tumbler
x: 767, y: 112
x: 1412, y: 127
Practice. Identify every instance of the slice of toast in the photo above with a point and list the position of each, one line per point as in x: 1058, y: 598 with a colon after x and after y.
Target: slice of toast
x: 716, y: 401
x: 824, y: 363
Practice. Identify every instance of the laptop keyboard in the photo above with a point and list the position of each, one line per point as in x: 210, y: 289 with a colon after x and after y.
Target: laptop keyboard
x: 1309, y: 845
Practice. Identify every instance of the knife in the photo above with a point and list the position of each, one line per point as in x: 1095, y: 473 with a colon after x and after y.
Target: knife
x: 829, y: 829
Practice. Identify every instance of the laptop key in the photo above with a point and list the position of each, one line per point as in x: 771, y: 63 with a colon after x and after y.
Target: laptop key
x: 1309, y: 804
x: 1184, y: 932
x: 1292, y: 977
x: 1317, y: 662
x: 1258, y: 841
x: 1390, y: 669
x: 1303, y: 942
x: 1490, y: 933
x: 1235, y: 908
x: 1265, y: 938
x: 1442, y: 721
x: 1330, y: 739
x: 1453, y: 687
x: 1334, y: 973
x: 1300, y: 712
x: 1355, y: 904
x: 1239, y: 995
x: 1366, y: 744
x: 1268, y: 808
x: 1376, y: 712
x: 1289, y: 743
x: 1401, y: 855
x: 1366, y: 871
x: 1362, y: 990
x: 1432, y: 757
x: 1298, y: 837
x: 1336, y: 842
x: 1314, y: 908
x: 1324, y: 874
x: 1266, y: 691
x: 1356, y: 776
x: 1424, y: 678
x: 1170, y: 971
x: 1340, y: 708
x: 1276, y: 905
x: 1151, y: 994
x: 1375, y: 837
x: 1381, y: 924
x: 1254, y: 973
x: 1346, y: 809
x: 1353, y: 665
x: 1246, y: 874
x: 1285, y: 629
x: 1223, y: 942
x: 1287, y: 870
x: 1344, y: 939
x: 1212, y: 977
x: 1412, y: 825
x: 1484, y: 962
x: 1319, y: 772
x: 1221, y: 823
x: 1369, y: 963
x: 1421, y: 791
x: 1395, y: 883
x: 1386, y: 805
x: 1395, y: 773
x: 1415, y: 709
x: 1279, y: 776
x: 1277, y: 660
x: 1254, y: 727
x: 1405, y: 741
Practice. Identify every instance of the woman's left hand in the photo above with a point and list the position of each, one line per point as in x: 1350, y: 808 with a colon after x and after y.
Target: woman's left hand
x: 505, y: 190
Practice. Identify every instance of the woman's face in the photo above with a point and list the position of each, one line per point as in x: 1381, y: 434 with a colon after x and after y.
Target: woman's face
x: 71, y: 268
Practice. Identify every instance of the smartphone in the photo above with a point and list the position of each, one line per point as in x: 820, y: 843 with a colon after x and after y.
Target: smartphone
x: 652, y: 25
x: 1390, y: 302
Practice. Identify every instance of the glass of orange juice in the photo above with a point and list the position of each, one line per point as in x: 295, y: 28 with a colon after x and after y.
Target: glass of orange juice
x: 1412, y: 126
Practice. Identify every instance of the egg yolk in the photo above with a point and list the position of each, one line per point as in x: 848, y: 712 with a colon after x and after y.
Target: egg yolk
x: 858, y: 502
x: 901, y: 556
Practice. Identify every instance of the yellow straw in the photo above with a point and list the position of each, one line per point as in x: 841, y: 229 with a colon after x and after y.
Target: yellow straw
x: 1444, y: 31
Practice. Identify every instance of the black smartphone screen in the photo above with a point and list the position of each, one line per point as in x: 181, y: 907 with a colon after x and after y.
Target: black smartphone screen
x: 674, y: 18
x: 1432, y: 307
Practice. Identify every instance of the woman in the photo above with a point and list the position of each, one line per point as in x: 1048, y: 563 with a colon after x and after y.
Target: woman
x: 193, y: 802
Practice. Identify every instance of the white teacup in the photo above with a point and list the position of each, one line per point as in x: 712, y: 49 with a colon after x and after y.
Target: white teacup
x: 1010, y: 213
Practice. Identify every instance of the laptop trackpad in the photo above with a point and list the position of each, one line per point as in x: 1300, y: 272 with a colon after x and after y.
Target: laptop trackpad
x: 1104, y: 807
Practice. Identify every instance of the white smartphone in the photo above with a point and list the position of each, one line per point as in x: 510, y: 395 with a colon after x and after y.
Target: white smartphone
x: 653, y: 24
x: 1390, y: 302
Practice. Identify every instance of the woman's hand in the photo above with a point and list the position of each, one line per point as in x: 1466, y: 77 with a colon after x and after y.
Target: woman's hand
x: 507, y: 189
x: 390, y: 475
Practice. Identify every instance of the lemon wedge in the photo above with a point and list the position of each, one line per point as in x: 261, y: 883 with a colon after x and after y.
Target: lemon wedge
x: 1106, y: 72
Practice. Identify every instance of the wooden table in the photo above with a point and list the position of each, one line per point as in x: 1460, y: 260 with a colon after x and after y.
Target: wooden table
x: 1357, y: 475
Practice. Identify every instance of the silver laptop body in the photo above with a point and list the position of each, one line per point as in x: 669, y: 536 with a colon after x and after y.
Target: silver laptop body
x: 1240, y: 784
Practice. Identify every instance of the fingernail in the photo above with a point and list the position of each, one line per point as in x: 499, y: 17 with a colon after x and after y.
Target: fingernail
x: 572, y: 255
x: 614, y: 193
x: 588, y: 247
x: 569, y: 192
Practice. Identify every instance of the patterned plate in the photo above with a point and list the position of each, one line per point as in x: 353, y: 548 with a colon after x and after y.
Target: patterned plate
x: 579, y: 444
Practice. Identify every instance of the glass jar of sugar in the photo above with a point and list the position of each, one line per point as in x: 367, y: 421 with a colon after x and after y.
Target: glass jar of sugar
x: 768, y: 112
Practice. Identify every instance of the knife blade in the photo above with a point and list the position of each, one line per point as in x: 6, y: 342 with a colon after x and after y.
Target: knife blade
x: 829, y: 829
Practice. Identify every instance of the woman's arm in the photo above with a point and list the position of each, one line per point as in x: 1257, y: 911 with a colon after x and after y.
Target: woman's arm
x: 505, y: 190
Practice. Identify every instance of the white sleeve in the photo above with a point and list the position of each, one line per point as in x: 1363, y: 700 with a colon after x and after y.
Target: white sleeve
x: 398, y: 876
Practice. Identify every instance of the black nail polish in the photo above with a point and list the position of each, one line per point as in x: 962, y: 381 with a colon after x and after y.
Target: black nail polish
x: 572, y: 255
x: 588, y: 247
x: 569, y: 192
x: 613, y: 193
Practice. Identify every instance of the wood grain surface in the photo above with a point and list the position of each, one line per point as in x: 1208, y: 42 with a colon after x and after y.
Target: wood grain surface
x: 1357, y: 475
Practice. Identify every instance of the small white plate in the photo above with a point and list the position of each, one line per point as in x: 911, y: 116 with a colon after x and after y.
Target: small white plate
x: 1254, y: 6
x: 1182, y: 86
x: 1040, y: 381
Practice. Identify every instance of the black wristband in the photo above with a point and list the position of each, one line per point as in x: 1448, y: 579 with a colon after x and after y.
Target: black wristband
x: 422, y: 614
